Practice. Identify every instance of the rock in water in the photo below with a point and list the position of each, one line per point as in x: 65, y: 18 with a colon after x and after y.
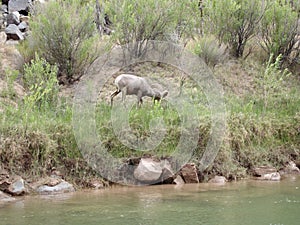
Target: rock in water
x: 266, y: 173
x: 178, y: 180
x: 189, y: 173
x: 17, y: 187
x: 218, y: 180
x: 148, y: 171
x: 62, y: 187
x: 5, y: 198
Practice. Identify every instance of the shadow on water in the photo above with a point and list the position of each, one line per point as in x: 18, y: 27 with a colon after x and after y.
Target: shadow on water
x: 244, y: 202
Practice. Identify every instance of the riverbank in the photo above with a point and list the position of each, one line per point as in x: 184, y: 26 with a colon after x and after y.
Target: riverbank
x: 261, y: 130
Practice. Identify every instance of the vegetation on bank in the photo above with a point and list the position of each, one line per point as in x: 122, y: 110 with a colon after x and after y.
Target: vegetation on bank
x: 250, y: 57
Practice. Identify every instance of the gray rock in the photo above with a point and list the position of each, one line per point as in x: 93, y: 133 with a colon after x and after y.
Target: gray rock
x: 62, y: 187
x: 292, y: 168
x: 189, y: 173
x: 167, y: 175
x: 13, y: 32
x: 4, y: 8
x: 13, y: 18
x: 19, y: 5
x: 218, y: 180
x: 17, y: 187
x: 270, y: 177
x: 178, y: 180
x: 23, y: 26
x: 148, y: 171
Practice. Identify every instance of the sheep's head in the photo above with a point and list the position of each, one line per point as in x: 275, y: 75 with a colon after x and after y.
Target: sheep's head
x: 160, y: 95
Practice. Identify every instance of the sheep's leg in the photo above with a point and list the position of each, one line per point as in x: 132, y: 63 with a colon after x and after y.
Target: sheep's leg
x: 114, y: 95
x: 124, y: 93
x: 139, y: 99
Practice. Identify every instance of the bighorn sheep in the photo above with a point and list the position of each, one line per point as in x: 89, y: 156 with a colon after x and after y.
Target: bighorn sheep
x: 130, y: 84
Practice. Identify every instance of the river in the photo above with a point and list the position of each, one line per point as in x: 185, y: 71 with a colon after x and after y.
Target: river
x: 243, y: 202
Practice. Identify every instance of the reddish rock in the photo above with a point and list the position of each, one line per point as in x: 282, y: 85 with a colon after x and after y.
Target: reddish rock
x: 189, y: 173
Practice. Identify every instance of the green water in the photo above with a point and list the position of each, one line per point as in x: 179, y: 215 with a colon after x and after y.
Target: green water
x: 248, y: 202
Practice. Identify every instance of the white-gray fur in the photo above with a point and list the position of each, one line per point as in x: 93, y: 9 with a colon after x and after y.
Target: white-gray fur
x: 130, y: 84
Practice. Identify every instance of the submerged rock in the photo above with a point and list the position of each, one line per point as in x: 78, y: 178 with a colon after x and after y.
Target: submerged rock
x: 218, y: 180
x: 5, y: 198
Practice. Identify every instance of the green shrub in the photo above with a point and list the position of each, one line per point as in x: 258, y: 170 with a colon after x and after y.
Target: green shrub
x: 40, y: 79
x: 234, y: 22
x: 280, y: 31
x: 64, y: 34
x: 210, y: 50
x: 271, y: 81
x: 137, y: 22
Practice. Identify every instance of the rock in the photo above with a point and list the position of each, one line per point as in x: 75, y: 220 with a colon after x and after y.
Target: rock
x: 3, y: 37
x: 266, y: 173
x: 270, y: 176
x: 189, y: 173
x: 5, y: 198
x: 167, y: 172
x: 62, y: 187
x: 218, y: 180
x: 261, y: 170
x: 4, y: 8
x: 19, y: 5
x: 291, y: 168
x: 96, y: 184
x: 178, y: 180
x: 13, y: 32
x: 23, y: 26
x: 17, y: 187
x: 13, y: 18
x: 148, y: 171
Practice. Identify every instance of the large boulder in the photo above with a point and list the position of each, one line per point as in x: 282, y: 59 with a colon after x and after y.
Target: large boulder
x: 13, y: 18
x: 17, y: 187
x: 148, y: 171
x: 19, y: 5
x: 189, y: 173
x: 13, y: 32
